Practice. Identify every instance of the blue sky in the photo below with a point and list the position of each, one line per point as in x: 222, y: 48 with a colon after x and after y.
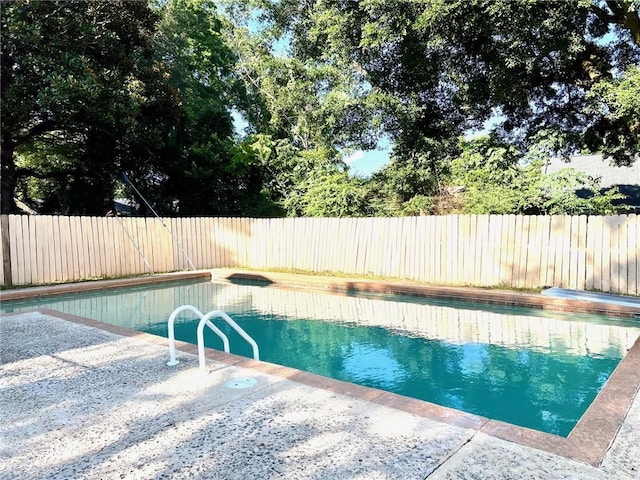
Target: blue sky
x: 365, y: 162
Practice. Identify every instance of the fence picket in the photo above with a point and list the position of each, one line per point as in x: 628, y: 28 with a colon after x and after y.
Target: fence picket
x: 527, y: 254
x: 17, y: 250
x: 207, y: 240
x: 573, y: 252
x: 607, y: 245
x: 582, y: 252
x: 493, y: 253
x: 545, y: 239
x: 92, y: 245
x: 554, y: 271
x: 533, y: 253
x: 440, y: 258
x: 201, y: 241
x: 394, y: 247
x: 87, y: 238
x: 58, y: 276
x: 178, y: 244
x: 451, y: 251
x: 633, y: 254
x: 623, y: 273
x: 565, y: 240
x: 413, y: 250
x: 506, y: 261
x: 519, y: 252
x: 101, y: 257
x: 109, y: 267
x: 42, y: 240
x: 463, y: 263
x: 594, y: 246
x: 193, y: 241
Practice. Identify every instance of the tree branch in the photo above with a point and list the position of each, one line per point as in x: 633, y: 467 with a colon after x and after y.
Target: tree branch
x: 603, y: 15
x: 39, y: 129
x: 626, y: 14
x: 30, y: 172
x: 616, y: 9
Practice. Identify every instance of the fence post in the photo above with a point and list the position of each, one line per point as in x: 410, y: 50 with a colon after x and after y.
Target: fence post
x: 6, y: 250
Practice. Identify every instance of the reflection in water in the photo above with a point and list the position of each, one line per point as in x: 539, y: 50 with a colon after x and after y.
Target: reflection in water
x: 521, y: 366
x: 367, y: 364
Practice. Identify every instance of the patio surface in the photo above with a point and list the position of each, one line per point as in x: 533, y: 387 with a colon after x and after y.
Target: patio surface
x: 79, y: 402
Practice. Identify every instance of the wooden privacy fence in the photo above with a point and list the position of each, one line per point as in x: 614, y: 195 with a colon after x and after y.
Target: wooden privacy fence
x: 579, y: 252
x: 48, y: 249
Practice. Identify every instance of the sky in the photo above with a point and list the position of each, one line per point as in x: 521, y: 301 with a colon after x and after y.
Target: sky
x: 365, y: 162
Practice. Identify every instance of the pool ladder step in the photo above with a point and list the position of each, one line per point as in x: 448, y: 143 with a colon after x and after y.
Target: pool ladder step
x: 206, y: 320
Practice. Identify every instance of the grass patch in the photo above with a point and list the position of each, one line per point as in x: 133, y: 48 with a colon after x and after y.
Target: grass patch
x: 326, y: 273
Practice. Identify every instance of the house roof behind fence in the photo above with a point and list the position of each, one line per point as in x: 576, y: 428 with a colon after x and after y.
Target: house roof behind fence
x: 596, y: 166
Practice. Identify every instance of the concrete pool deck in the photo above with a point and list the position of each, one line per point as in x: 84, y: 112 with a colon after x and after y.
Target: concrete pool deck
x: 83, y: 400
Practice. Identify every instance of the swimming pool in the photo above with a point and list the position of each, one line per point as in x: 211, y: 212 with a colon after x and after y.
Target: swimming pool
x: 527, y: 367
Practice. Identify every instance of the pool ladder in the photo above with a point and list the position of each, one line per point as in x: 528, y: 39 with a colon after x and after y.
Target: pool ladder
x: 206, y: 320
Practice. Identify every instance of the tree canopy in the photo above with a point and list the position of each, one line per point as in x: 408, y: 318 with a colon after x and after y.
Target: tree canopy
x: 80, y: 94
x: 92, y: 90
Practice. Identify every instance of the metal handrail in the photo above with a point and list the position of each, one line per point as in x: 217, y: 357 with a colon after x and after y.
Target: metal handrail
x: 220, y: 314
x: 206, y: 320
x: 172, y: 339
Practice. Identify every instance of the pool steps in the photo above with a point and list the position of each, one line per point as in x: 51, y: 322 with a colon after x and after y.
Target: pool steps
x: 206, y: 320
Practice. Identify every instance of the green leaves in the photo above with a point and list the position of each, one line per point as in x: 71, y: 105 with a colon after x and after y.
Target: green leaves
x: 329, y: 195
x: 495, y: 182
x: 74, y: 73
x: 617, y: 101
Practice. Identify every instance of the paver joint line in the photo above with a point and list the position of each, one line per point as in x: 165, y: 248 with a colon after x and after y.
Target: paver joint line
x: 453, y: 454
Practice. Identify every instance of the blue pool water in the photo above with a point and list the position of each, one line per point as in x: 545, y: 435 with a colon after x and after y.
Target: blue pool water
x: 526, y: 367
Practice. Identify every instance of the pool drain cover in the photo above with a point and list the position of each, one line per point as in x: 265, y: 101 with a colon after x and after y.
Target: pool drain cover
x: 241, y: 383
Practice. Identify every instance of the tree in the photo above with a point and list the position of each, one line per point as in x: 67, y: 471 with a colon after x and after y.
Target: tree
x: 438, y: 69
x: 329, y: 195
x: 302, y: 115
x: 617, y: 102
x: 77, y: 77
x: 203, y: 172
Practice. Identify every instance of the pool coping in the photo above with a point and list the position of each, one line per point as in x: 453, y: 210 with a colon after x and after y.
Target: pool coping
x: 588, y: 442
x: 91, y: 285
x: 484, y: 296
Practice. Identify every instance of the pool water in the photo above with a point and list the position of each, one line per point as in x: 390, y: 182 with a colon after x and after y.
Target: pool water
x: 527, y: 367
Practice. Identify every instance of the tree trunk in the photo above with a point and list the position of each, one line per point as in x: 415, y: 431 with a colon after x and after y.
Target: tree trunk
x: 8, y: 179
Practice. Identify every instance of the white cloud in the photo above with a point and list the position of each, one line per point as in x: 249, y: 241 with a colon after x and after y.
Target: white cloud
x: 355, y: 156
